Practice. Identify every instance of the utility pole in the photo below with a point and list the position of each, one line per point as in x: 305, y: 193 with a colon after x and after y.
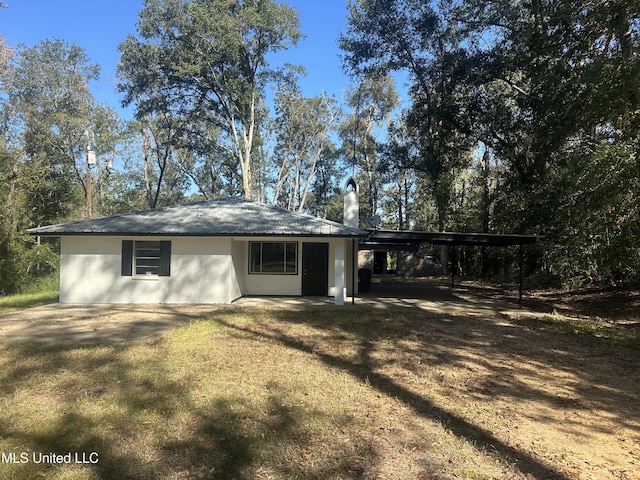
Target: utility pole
x: 91, y: 160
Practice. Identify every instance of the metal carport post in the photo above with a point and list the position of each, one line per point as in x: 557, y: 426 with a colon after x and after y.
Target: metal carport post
x: 453, y: 239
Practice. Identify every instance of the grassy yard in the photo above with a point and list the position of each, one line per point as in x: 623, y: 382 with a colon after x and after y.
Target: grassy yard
x: 42, y: 291
x: 14, y: 303
x: 327, y: 394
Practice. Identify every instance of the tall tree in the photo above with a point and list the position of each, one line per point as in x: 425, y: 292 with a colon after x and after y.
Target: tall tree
x: 397, y: 154
x: 303, y: 127
x: 372, y: 100
x: 556, y: 85
x: 48, y: 90
x: 390, y: 35
x: 8, y: 167
x: 48, y: 108
x: 205, y: 61
x: 410, y: 35
x: 550, y: 88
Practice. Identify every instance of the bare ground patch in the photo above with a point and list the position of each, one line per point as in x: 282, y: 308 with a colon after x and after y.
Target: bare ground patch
x: 103, y: 324
x: 607, y: 304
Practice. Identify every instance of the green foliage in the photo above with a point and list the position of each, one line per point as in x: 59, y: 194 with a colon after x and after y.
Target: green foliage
x: 204, y: 62
x: 523, y: 118
x: 47, y: 109
x: 23, y: 266
x: 547, y: 88
x: 302, y: 128
x: 599, y: 216
x: 372, y: 101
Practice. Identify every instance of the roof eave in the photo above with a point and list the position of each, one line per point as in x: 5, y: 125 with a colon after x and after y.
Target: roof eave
x: 189, y: 234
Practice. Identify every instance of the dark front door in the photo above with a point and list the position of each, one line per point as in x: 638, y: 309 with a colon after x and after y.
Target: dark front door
x: 315, y: 269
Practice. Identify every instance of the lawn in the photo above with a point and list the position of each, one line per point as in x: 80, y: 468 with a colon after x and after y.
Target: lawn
x: 327, y: 394
x: 14, y: 303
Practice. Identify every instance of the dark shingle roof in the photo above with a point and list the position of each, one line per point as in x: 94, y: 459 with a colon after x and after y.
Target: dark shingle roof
x: 222, y: 217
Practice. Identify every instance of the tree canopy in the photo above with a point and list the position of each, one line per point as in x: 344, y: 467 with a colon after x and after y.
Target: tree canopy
x: 516, y: 117
x: 548, y: 89
x: 205, y: 61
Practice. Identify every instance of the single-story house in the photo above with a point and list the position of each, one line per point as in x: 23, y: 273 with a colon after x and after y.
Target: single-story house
x: 207, y: 252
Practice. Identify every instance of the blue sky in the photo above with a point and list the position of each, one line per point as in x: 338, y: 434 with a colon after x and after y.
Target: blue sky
x: 99, y: 27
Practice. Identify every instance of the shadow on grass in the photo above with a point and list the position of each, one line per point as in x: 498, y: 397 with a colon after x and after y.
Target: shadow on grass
x: 363, y: 367
x: 122, y: 406
x: 122, y: 401
x: 604, y: 367
x: 63, y: 420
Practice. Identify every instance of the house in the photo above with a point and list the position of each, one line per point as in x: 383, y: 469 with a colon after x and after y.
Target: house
x: 207, y: 252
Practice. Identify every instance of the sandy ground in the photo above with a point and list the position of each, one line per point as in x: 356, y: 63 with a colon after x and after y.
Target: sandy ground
x: 109, y: 323
x: 69, y: 323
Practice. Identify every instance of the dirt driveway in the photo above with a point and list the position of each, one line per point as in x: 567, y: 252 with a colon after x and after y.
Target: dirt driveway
x: 112, y: 323
x: 68, y: 323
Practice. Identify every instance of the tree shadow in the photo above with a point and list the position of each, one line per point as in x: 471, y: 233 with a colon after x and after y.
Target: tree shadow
x: 362, y: 365
x: 63, y: 428
x: 217, y: 446
x: 226, y: 437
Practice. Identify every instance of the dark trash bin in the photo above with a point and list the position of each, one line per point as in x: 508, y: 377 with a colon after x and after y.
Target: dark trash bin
x: 364, y: 279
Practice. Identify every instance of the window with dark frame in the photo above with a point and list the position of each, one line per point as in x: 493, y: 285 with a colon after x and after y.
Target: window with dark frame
x: 151, y: 258
x: 273, y: 258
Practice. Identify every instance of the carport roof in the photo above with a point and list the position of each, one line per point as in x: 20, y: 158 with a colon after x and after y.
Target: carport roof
x: 391, y: 237
x: 221, y: 217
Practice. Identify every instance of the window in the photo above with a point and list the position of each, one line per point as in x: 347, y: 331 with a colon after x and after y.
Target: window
x: 273, y: 258
x: 146, y: 257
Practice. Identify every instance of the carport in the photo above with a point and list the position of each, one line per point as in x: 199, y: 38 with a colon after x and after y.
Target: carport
x: 410, y: 240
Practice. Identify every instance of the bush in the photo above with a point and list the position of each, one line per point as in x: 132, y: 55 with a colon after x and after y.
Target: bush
x: 27, y: 269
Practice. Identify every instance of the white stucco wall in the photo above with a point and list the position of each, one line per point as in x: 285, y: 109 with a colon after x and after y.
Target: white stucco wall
x: 269, y: 284
x: 202, y: 271
x: 260, y: 284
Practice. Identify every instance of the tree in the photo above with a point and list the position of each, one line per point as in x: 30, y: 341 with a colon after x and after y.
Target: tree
x: 326, y: 200
x: 50, y: 121
x: 57, y: 121
x: 302, y: 140
x: 372, y: 100
x: 547, y: 88
x: 409, y: 35
x: 205, y: 61
x: 5, y: 57
x: 43, y: 88
x: 557, y: 85
x: 160, y: 171
x: 396, y: 156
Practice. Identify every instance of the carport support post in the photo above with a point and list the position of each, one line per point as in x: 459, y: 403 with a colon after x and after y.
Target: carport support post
x: 339, y: 272
x: 520, y: 259
x: 354, y: 261
x: 453, y: 267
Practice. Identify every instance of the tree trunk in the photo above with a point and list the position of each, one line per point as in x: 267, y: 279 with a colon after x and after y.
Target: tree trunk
x: 10, y: 216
